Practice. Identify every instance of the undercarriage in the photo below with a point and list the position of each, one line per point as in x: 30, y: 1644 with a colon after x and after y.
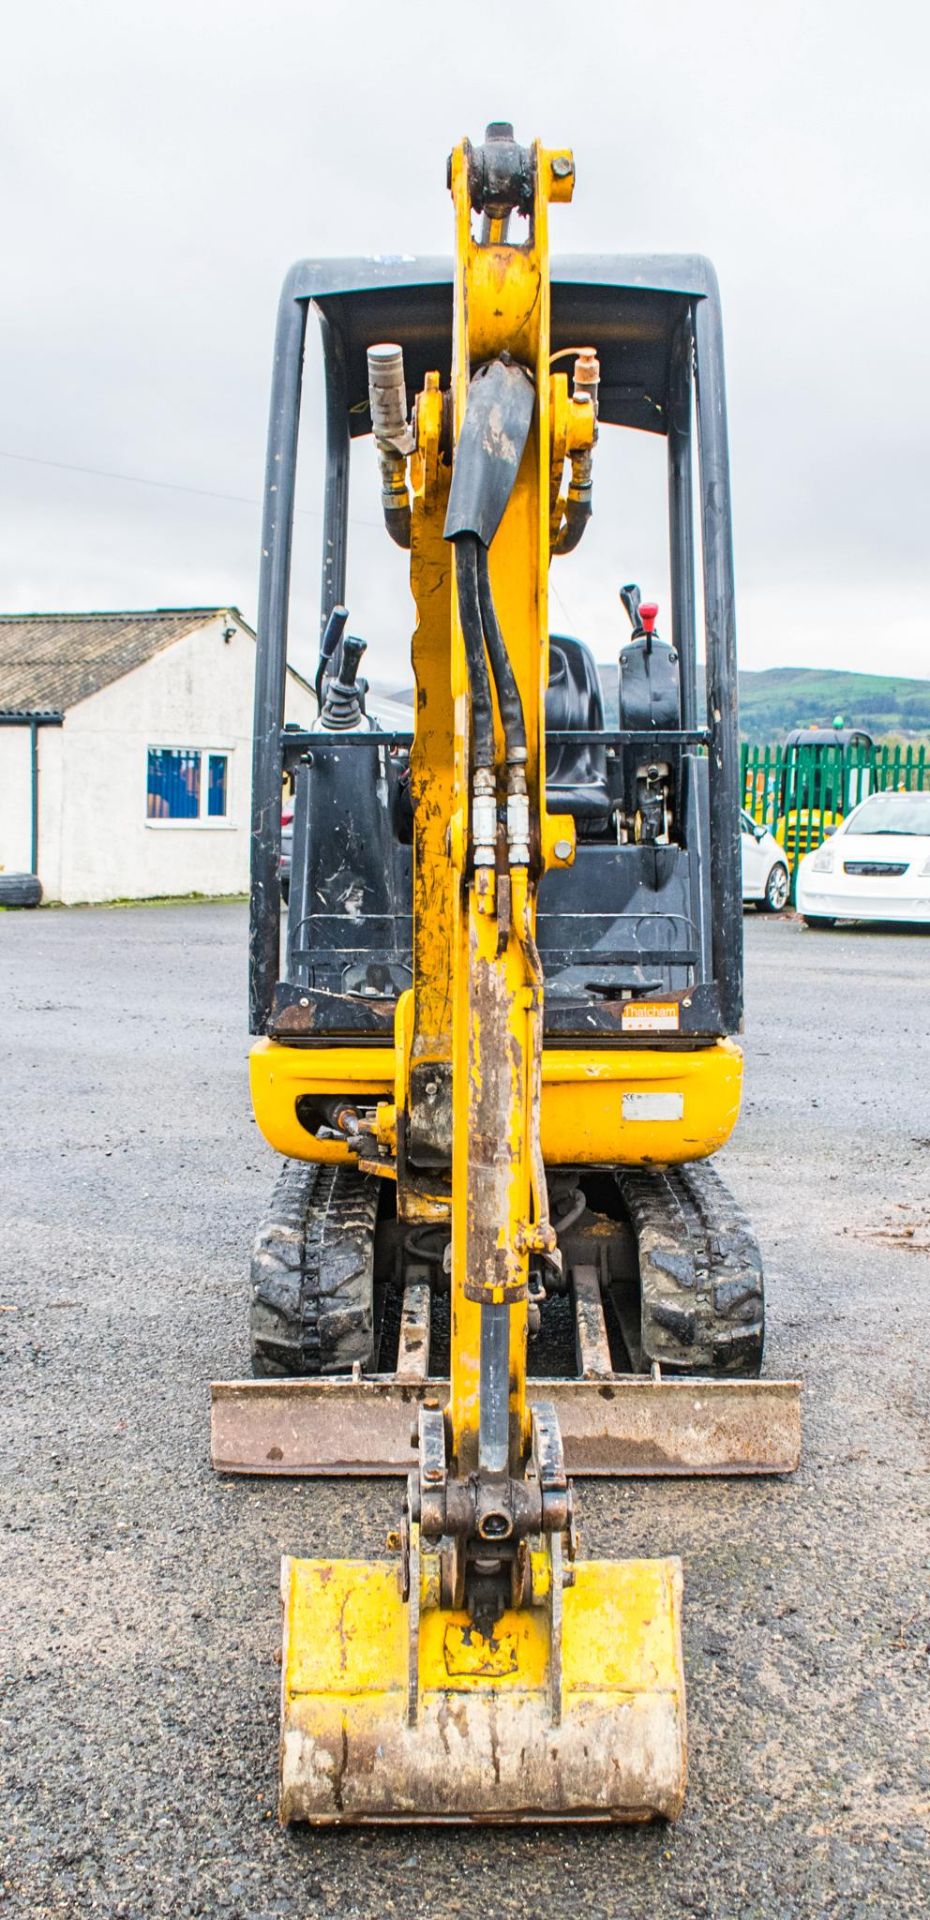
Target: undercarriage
x: 661, y: 1267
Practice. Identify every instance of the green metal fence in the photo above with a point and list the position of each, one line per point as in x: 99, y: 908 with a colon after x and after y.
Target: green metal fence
x: 801, y: 791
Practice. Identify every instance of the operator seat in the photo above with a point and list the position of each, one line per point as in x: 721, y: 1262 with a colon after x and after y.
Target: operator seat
x: 576, y: 775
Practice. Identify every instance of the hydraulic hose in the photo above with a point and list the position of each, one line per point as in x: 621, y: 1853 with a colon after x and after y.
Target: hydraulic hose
x: 489, y: 449
x: 394, y: 439
x: 577, y: 508
x: 508, y: 693
x: 466, y: 577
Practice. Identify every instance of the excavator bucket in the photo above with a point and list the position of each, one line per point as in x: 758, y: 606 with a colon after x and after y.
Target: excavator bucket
x: 388, y: 1719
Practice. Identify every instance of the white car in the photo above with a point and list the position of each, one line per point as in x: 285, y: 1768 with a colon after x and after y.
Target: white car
x: 765, y: 870
x: 876, y: 866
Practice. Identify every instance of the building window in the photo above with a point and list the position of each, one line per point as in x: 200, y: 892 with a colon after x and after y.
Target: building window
x: 179, y: 788
x: 216, y: 786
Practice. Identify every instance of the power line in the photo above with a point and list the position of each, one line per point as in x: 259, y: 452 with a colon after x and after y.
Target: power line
x: 132, y: 479
x: 200, y: 493
x: 556, y: 595
x: 164, y: 486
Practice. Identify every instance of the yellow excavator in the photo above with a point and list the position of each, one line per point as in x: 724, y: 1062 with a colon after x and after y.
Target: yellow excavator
x: 500, y: 1049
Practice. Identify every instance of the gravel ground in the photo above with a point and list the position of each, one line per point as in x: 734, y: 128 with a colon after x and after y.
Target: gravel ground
x: 138, y: 1602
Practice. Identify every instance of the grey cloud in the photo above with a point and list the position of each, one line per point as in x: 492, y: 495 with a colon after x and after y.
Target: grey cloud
x: 164, y: 166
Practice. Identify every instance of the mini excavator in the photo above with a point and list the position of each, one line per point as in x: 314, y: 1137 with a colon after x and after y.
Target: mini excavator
x: 501, y: 1050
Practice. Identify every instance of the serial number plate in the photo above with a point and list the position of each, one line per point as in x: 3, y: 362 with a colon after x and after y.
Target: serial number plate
x: 653, y: 1106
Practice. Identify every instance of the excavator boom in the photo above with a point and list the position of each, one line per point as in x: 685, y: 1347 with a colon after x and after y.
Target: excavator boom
x: 498, y: 1678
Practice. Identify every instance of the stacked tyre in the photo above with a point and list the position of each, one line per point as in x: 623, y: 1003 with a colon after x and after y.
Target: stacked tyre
x: 20, y: 890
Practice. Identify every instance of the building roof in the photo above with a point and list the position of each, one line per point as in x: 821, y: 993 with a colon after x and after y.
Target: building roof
x: 394, y: 715
x: 50, y: 661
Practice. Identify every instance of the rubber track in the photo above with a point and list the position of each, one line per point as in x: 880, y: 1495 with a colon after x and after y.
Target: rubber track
x: 312, y: 1305
x: 701, y: 1281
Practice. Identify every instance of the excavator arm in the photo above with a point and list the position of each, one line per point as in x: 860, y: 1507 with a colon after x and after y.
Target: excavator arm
x: 498, y: 1677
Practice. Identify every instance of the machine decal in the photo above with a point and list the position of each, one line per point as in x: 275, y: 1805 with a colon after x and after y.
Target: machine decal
x: 645, y: 1016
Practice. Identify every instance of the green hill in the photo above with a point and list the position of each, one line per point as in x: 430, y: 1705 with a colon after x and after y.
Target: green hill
x: 783, y: 697
x: 774, y: 701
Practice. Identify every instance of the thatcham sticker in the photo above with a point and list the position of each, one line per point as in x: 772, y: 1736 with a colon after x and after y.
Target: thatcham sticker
x: 651, y: 1016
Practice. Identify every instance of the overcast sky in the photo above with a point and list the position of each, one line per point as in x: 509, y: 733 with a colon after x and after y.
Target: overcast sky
x: 163, y: 165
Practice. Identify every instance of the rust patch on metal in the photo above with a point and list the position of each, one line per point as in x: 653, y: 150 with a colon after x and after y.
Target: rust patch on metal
x: 495, y: 1065
x: 594, y: 1362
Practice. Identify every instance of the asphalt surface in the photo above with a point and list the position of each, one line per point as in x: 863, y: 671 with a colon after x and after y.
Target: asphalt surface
x: 138, y: 1597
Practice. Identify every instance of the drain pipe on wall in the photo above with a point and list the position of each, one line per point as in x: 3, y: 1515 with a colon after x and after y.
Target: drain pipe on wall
x: 20, y: 717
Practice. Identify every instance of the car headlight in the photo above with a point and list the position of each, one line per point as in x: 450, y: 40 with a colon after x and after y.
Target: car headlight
x: 823, y: 860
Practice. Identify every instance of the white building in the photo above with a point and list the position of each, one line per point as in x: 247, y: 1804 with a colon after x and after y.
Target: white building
x: 125, y: 751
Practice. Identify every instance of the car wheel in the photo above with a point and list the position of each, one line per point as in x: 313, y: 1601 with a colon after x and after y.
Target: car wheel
x: 20, y: 890
x: 777, y: 889
x: 818, y: 920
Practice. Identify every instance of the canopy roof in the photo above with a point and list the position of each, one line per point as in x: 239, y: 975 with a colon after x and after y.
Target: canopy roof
x: 627, y: 306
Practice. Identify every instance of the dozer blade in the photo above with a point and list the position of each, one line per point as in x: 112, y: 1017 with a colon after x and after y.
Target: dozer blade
x: 582, y: 1721
x: 617, y: 1425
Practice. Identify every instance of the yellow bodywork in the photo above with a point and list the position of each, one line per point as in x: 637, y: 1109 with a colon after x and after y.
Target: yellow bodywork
x: 583, y: 1090
x: 482, y: 1744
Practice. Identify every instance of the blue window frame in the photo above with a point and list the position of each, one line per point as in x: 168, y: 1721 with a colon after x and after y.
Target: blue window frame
x: 176, y: 789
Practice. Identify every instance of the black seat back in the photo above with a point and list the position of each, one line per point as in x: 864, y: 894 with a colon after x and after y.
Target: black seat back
x: 576, y: 775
